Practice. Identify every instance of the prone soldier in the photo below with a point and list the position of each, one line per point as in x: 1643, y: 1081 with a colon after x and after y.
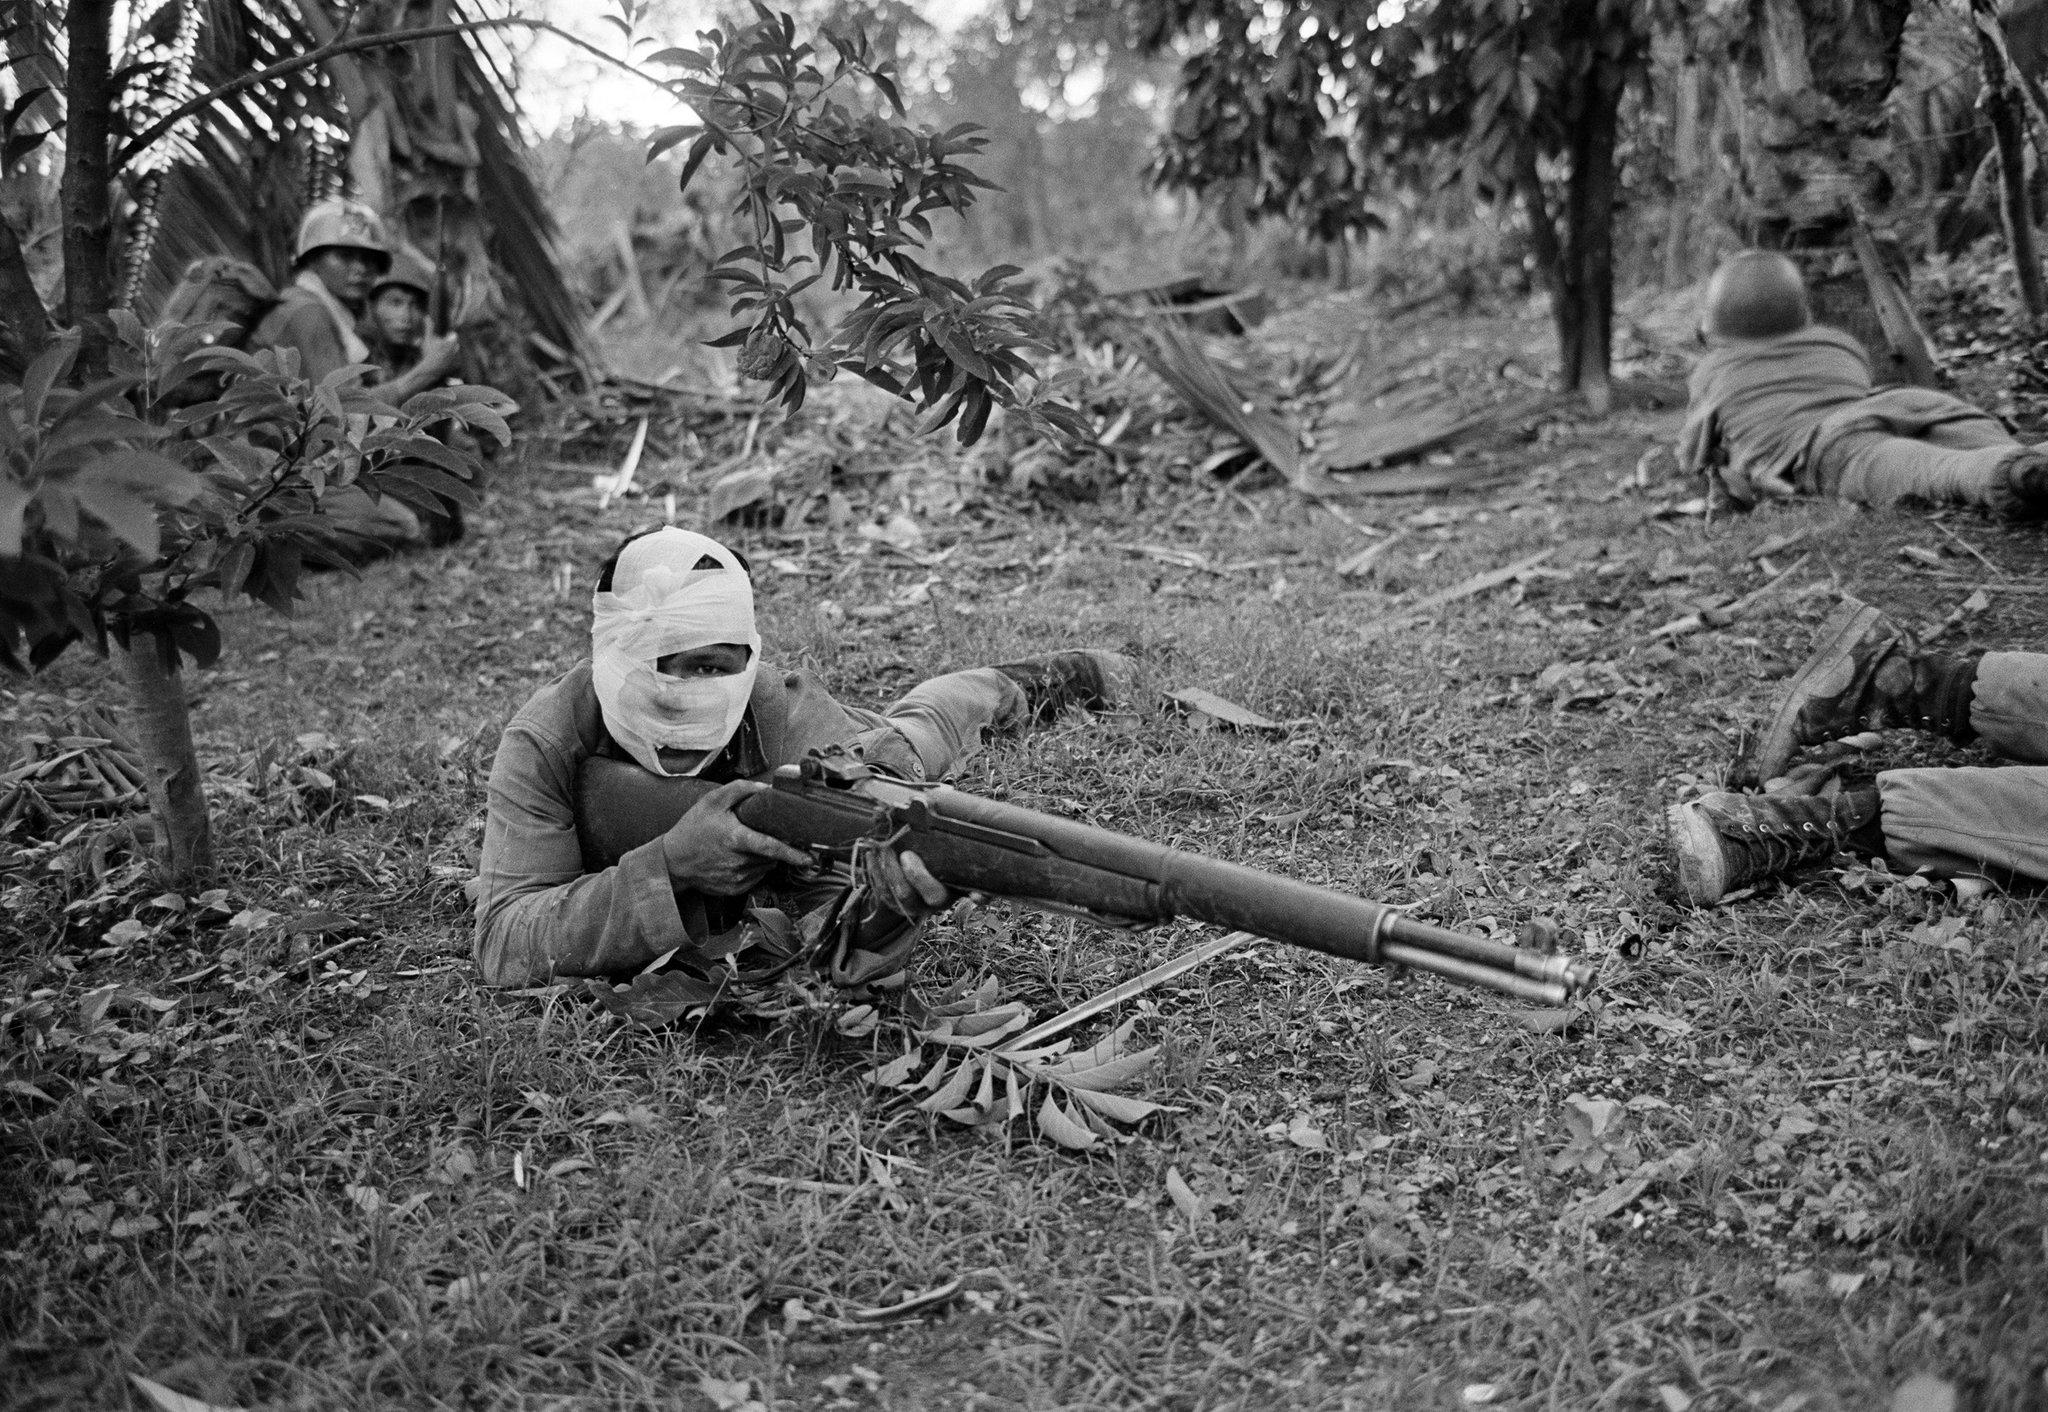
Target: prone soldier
x: 1782, y: 406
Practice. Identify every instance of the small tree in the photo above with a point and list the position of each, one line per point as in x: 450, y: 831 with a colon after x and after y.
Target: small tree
x: 117, y: 512
x: 119, y: 505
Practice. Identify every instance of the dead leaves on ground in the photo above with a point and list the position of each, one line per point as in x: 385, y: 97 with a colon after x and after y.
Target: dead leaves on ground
x: 958, y: 1065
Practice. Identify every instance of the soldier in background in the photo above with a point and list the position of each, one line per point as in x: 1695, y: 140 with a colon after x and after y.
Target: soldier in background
x: 340, y: 250
x: 1780, y: 406
x: 410, y: 356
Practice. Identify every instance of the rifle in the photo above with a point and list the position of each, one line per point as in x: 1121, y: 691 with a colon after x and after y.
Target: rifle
x: 440, y: 314
x: 829, y: 803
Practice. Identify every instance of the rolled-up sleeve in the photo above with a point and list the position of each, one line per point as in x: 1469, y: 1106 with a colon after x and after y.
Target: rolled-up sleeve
x: 540, y: 916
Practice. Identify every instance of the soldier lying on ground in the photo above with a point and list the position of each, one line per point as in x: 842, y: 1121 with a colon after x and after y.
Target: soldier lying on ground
x: 1782, y: 406
x: 1869, y: 674
x: 676, y: 686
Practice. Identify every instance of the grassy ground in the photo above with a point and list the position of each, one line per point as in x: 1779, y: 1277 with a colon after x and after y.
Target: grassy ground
x: 266, y: 1171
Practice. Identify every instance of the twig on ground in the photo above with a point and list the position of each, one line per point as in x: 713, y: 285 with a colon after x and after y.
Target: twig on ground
x: 2030, y: 590
x: 1971, y: 549
x: 1478, y: 583
x: 1969, y: 608
x: 335, y: 950
x: 1722, y: 617
x: 1337, y: 512
x: 1362, y: 564
x: 914, y: 1304
x: 1137, y: 985
x: 796, y: 1184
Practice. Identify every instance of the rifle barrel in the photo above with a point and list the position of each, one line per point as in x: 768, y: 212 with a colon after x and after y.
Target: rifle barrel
x: 1473, y: 973
x: 1170, y: 883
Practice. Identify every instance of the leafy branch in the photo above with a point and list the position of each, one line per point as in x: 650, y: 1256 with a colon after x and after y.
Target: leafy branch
x: 974, y: 1081
x: 863, y: 190
x: 121, y: 500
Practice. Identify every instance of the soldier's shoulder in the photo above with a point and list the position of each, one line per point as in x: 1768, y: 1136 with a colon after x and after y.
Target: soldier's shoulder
x: 296, y: 314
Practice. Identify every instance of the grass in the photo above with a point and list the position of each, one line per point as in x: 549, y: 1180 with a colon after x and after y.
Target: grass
x: 368, y: 1182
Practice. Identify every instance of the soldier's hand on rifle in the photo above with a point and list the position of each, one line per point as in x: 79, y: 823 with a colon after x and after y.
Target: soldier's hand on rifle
x: 440, y: 354
x: 904, y: 885
x: 711, y: 851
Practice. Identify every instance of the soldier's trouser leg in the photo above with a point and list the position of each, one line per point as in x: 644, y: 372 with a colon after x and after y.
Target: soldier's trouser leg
x: 1967, y: 820
x: 1966, y: 466
x: 1978, y: 820
x: 949, y: 716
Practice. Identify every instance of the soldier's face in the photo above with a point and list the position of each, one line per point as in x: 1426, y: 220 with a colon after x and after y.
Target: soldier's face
x: 400, y: 315
x: 346, y: 273
x: 720, y: 659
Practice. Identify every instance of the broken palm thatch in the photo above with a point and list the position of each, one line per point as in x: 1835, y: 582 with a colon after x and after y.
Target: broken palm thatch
x: 59, y: 780
x: 1357, y: 435
x: 1353, y: 438
x: 1180, y: 360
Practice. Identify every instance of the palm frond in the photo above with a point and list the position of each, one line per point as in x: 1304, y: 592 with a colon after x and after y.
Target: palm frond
x: 523, y: 230
x: 246, y: 169
x: 248, y: 165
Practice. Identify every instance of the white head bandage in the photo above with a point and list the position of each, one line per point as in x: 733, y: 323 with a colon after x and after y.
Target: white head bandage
x: 660, y: 602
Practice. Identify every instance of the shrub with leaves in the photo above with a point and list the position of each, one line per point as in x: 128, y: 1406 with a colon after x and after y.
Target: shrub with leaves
x: 862, y: 189
x: 123, y: 502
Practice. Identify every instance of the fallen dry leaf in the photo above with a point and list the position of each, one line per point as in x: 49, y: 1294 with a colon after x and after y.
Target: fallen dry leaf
x: 170, y: 1401
x: 1205, y: 710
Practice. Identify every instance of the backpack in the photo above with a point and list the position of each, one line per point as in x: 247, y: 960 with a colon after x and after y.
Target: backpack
x: 221, y: 289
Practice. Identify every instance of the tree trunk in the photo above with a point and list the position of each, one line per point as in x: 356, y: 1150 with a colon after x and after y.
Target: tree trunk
x: 88, y: 203
x: 163, y: 729
x: 1551, y: 269
x: 2002, y: 104
x: 1687, y: 91
x: 1589, y: 221
x: 1816, y: 144
x: 1578, y: 270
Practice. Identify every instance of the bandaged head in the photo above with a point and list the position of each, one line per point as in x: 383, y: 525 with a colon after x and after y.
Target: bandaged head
x: 672, y: 591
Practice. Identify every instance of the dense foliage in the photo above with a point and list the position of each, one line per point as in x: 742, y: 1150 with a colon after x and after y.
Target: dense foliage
x: 121, y: 501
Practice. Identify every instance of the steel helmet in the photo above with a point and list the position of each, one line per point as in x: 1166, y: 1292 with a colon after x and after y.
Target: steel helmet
x: 339, y: 222
x: 1757, y: 294
x: 409, y: 270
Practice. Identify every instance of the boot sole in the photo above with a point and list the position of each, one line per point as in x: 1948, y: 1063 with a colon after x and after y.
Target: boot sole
x: 1838, y: 638
x: 1702, y: 865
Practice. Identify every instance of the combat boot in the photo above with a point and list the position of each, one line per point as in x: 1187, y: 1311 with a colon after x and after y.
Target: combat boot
x: 2027, y: 476
x: 1092, y: 680
x: 1867, y: 674
x: 1723, y: 842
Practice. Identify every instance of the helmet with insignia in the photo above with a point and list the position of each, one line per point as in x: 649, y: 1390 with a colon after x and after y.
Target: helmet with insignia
x: 338, y: 223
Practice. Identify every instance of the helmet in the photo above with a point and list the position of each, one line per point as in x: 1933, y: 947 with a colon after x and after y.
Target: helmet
x: 409, y: 270
x: 347, y: 224
x: 1757, y: 294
